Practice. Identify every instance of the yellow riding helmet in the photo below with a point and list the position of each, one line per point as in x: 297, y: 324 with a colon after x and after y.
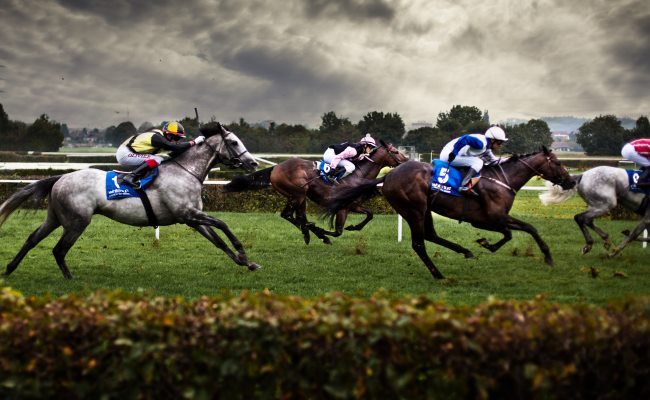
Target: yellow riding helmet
x: 174, y: 128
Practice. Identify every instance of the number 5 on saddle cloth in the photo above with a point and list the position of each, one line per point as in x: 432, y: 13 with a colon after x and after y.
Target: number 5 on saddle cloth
x: 447, y: 179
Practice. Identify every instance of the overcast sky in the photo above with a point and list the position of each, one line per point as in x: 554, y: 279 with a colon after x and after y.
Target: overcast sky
x: 92, y: 63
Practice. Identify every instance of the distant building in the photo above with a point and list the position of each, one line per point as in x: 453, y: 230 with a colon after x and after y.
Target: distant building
x: 564, y: 141
x: 420, y: 124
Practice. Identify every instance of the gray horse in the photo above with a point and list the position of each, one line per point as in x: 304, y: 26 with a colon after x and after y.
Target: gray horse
x: 175, y: 197
x: 602, y: 188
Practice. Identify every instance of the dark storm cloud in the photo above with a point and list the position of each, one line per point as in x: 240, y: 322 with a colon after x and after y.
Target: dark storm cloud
x: 292, y: 61
x: 352, y: 9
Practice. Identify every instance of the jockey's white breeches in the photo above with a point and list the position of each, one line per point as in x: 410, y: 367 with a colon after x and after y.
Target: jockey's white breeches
x: 126, y: 157
x: 476, y: 163
x: 629, y: 153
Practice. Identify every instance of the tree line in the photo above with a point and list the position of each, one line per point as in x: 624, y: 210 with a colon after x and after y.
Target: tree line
x: 604, y: 135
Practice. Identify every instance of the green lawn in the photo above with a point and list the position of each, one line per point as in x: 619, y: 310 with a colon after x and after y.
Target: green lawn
x: 111, y: 255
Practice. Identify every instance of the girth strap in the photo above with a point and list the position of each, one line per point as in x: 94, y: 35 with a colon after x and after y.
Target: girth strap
x: 153, y: 221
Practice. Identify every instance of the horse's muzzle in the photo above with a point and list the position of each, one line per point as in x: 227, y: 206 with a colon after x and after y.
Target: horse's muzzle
x: 566, y: 185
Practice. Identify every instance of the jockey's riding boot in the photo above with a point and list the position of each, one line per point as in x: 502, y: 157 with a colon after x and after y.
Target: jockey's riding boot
x: 465, y: 185
x: 334, y: 173
x: 644, y: 179
x: 133, y: 178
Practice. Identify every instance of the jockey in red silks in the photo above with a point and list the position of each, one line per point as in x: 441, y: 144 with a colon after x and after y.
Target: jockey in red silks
x: 638, y: 151
x: 473, y: 151
x: 338, y: 155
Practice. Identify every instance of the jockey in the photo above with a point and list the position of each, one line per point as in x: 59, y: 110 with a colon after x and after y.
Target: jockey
x: 147, y: 150
x: 338, y: 155
x: 473, y: 151
x: 638, y: 151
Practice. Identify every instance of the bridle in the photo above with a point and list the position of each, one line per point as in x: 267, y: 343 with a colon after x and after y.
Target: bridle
x: 234, y: 160
x: 536, y: 171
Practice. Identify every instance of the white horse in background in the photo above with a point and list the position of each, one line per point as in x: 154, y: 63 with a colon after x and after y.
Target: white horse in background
x: 602, y: 188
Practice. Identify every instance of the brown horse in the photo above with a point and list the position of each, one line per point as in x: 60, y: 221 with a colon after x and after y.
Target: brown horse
x: 407, y: 189
x: 298, y: 179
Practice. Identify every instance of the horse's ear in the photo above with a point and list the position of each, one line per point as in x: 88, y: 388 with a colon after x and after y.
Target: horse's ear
x: 381, y: 141
x: 211, y: 129
x: 545, y: 150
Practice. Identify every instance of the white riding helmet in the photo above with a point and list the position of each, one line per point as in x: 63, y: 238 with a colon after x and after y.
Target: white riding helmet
x: 496, y: 133
x: 368, y: 140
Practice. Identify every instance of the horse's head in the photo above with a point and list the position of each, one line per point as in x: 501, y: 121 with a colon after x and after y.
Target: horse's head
x: 387, y: 155
x: 550, y: 168
x: 228, y: 148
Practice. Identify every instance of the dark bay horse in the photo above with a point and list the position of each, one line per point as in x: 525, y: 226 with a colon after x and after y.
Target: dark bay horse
x: 175, y: 197
x: 298, y: 179
x: 602, y: 188
x: 407, y: 189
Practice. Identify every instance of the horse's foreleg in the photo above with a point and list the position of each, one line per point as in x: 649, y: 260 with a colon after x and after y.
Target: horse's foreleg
x: 201, y: 219
x: 518, y: 225
x: 360, y: 225
x: 212, y: 236
x: 431, y: 235
x: 585, y: 220
x: 39, y: 234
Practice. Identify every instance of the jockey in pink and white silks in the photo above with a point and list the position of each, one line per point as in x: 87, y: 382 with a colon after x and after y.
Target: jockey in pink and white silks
x: 338, y: 155
x: 473, y: 151
x: 638, y: 151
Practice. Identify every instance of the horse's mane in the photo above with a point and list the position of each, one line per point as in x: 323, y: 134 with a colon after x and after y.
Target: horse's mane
x: 516, y: 157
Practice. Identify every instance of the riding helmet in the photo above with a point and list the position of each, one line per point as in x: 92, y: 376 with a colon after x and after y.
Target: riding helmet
x: 496, y: 133
x: 174, y: 128
x: 368, y: 140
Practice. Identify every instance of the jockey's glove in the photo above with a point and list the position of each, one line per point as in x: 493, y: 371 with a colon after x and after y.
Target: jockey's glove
x: 199, y: 140
x: 451, y: 157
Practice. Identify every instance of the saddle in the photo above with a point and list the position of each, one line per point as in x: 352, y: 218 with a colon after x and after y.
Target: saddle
x: 447, y: 179
x: 115, y: 190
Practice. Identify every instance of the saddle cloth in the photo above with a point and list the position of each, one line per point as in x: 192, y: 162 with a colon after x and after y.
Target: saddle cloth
x: 323, y: 171
x: 116, y: 191
x: 633, y: 178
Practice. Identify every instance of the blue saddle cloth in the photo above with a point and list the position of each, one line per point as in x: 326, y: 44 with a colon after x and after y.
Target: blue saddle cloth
x: 633, y: 178
x: 323, y: 171
x: 116, y: 191
x: 445, y: 178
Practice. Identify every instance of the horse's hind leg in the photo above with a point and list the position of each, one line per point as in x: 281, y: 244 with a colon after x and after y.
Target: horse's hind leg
x: 360, y: 225
x: 431, y: 235
x: 50, y: 224
x: 68, y: 239
x: 586, y: 219
x: 417, y: 243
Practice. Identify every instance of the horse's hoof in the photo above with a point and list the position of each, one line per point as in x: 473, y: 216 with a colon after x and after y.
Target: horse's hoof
x: 470, y: 255
x: 327, y: 240
x: 352, y: 228
x: 549, y: 261
x: 307, y: 238
x: 586, y: 249
x: 253, y: 266
x: 614, y: 253
x: 483, y: 242
x: 607, y: 245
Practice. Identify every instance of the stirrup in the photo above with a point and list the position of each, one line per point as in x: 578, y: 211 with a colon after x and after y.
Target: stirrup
x: 467, y: 191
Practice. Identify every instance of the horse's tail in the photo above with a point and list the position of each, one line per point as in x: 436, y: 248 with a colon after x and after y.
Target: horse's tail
x: 345, y: 196
x: 255, y: 181
x: 554, y: 194
x: 35, y: 192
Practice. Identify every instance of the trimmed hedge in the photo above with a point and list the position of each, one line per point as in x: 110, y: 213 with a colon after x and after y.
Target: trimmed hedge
x: 116, y: 345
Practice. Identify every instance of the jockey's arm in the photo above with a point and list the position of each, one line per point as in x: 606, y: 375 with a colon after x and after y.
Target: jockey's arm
x: 349, y: 152
x: 162, y: 143
x: 467, y: 140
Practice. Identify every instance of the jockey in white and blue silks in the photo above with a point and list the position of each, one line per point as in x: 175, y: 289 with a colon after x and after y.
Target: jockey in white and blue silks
x: 473, y: 151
